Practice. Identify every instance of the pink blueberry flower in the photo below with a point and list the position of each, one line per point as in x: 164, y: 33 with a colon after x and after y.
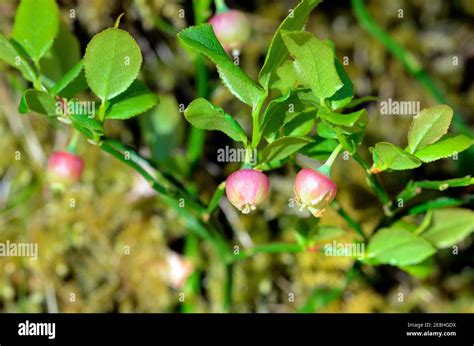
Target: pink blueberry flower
x: 232, y: 29
x: 314, y: 191
x: 246, y: 189
x: 65, y: 167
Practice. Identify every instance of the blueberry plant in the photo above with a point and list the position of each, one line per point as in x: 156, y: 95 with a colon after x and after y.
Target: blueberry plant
x: 303, y: 115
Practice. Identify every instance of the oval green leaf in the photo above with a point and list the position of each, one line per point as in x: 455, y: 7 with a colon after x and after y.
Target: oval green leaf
x: 36, y: 26
x: 444, y: 148
x: 389, y: 156
x: 204, y: 115
x: 449, y: 226
x: 283, y: 147
x: 398, y: 247
x: 111, y: 62
x: 428, y: 126
x: 135, y: 100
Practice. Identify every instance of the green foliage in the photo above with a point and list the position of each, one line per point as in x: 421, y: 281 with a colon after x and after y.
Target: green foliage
x: 444, y: 148
x: 111, y: 62
x: 283, y: 147
x: 134, y: 101
x: 37, y: 101
x: 342, y: 119
x: 204, y: 115
x: 13, y: 57
x: 277, y: 52
x: 423, y: 142
x: 282, y: 110
x: 428, y: 126
x: 389, y: 156
x: 202, y: 39
x: 413, y: 188
x: 399, y: 247
x: 449, y: 226
x: 89, y: 126
x: 68, y: 78
x: 64, y: 54
x: 36, y: 26
x: 343, y: 96
x: 314, y: 63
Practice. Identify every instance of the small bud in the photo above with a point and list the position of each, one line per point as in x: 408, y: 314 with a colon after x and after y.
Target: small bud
x: 232, y: 29
x: 246, y: 189
x: 64, y: 168
x: 314, y: 191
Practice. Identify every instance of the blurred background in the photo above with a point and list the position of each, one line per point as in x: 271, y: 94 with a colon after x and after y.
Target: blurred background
x: 110, y: 244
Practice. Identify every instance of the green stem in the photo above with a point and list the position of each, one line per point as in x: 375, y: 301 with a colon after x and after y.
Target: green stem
x: 373, y: 182
x: 72, y: 146
x: 326, y: 168
x: 350, y: 221
x: 229, y: 283
x: 192, y: 286
x: 409, y: 61
x: 206, y: 232
x: 256, y: 121
x: 103, y: 106
x: 221, y: 6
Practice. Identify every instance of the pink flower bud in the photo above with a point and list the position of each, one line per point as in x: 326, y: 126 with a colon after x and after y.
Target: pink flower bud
x: 232, y: 29
x: 64, y: 167
x: 246, y: 189
x: 313, y: 191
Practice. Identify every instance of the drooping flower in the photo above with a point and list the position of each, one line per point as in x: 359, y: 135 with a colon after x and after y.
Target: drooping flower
x: 64, y: 167
x: 314, y: 191
x: 232, y: 29
x: 246, y: 189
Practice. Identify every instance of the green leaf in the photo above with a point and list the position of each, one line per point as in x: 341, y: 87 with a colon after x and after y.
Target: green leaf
x: 36, y: 26
x: 75, y: 86
x: 284, y: 109
x: 398, y: 247
x: 421, y: 270
x: 277, y: 52
x: 351, y: 137
x: 37, y: 101
x: 449, y: 226
x: 112, y: 62
x: 389, y: 156
x: 428, y: 126
x: 204, y: 115
x: 300, y: 125
x: 202, y: 39
x: 68, y: 78
x: 325, y: 130
x: 285, y: 77
x: 12, y: 57
x: 283, y: 147
x: 91, y: 127
x: 64, y: 54
x: 358, y: 101
x: 135, y: 100
x: 314, y: 63
x: 342, y: 119
x: 444, y: 148
x: 344, y: 95
x: 320, y: 149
